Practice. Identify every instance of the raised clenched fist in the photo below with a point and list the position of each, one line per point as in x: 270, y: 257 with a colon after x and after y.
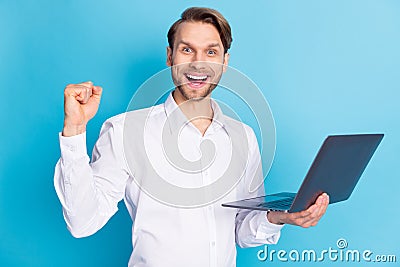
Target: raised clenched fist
x: 81, y: 102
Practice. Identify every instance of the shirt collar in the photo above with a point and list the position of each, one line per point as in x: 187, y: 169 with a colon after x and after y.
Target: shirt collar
x: 176, y: 119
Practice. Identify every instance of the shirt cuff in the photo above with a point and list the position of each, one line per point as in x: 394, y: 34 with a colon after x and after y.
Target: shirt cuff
x: 73, y: 147
x: 266, y: 228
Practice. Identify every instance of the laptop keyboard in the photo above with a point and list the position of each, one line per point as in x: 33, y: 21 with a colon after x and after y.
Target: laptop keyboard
x: 284, y: 203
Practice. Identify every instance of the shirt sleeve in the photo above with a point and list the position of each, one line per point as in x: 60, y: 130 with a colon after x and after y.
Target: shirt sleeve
x: 90, y: 191
x: 252, y: 226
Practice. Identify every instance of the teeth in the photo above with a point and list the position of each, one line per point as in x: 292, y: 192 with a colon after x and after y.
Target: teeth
x: 196, y: 77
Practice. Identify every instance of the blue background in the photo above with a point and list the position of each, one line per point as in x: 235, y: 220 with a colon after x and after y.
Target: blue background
x: 325, y: 67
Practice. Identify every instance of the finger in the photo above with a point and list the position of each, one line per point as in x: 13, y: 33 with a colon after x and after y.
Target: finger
x: 87, y: 84
x: 311, y: 220
x: 312, y: 215
x: 327, y: 198
x: 298, y: 218
x: 80, y: 93
x: 87, y: 93
x: 319, y: 213
x: 321, y: 199
x: 315, y: 213
x: 309, y: 211
x: 304, y: 218
x: 97, y: 91
x: 95, y: 95
x: 323, y: 203
x: 324, y: 207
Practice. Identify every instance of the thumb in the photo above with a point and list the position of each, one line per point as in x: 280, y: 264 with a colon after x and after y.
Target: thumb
x: 97, y: 91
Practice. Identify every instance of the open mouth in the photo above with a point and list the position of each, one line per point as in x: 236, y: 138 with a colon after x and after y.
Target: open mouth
x: 196, y: 80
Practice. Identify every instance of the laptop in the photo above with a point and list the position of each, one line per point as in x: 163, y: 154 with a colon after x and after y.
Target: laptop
x: 336, y: 169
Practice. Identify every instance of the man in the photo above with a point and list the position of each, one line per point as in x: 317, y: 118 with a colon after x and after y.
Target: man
x: 185, y: 229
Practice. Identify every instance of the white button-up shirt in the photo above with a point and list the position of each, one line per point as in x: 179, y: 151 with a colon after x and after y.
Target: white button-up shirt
x: 185, y: 228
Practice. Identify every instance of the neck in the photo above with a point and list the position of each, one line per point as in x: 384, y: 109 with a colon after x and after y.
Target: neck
x: 198, y: 112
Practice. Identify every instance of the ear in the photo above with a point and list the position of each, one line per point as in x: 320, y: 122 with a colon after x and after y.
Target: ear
x: 226, y: 60
x: 169, y: 56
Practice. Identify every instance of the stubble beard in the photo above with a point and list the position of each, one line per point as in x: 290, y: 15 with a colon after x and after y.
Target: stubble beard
x: 196, y: 97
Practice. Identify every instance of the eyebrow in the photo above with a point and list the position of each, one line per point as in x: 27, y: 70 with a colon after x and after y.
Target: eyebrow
x: 189, y: 44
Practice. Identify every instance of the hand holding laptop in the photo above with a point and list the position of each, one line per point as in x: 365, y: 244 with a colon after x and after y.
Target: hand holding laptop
x: 335, y: 170
x: 305, y: 218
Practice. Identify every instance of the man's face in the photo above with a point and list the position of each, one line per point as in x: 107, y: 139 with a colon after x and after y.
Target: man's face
x: 197, y: 60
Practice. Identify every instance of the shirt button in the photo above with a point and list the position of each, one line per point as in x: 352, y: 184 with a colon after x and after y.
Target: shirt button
x: 210, y: 208
x: 213, y: 243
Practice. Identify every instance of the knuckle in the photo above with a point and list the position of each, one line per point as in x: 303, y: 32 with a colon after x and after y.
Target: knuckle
x: 298, y: 221
x: 71, y: 85
x: 67, y: 90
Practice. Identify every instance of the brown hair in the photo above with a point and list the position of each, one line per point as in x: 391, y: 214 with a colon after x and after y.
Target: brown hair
x: 205, y: 15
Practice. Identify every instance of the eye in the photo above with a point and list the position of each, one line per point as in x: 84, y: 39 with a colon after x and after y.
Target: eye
x: 211, y: 52
x: 187, y: 50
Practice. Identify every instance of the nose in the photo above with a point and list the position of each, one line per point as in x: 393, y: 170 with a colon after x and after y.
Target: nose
x: 199, y: 56
x: 198, y: 61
